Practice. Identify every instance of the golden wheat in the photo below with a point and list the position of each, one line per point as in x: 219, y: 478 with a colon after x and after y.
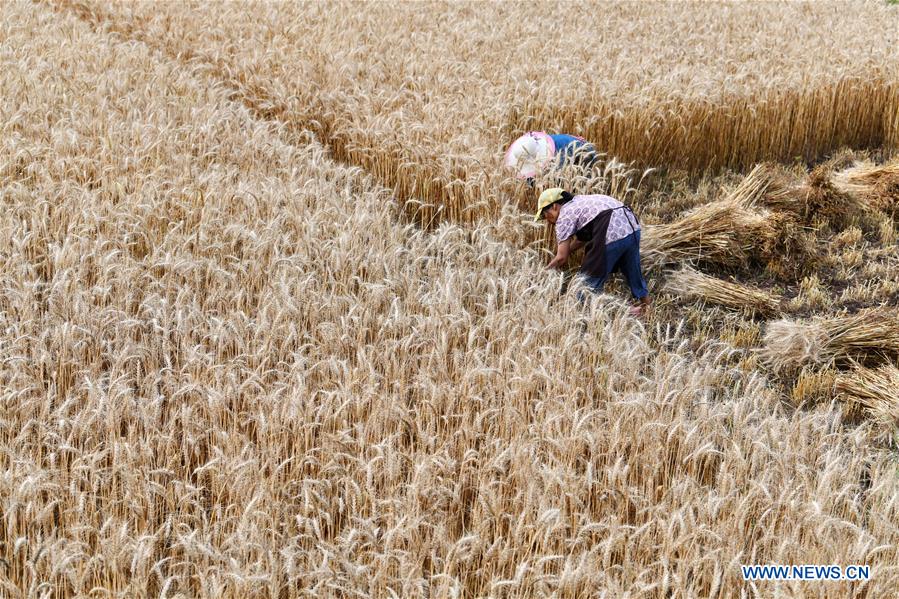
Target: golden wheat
x: 877, y: 390
x: 870, y: 333
x: 690, y: 283
x: 427, y: 109
x: 229, y: 370
x: 874, y: 185
x: 723, y: 232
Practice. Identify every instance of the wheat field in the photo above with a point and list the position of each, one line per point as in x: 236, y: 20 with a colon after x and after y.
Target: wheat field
x: 424, y: 97
x: 232, y: 366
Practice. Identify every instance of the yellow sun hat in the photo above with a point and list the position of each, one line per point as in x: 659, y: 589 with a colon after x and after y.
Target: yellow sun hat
x: 547, y: 198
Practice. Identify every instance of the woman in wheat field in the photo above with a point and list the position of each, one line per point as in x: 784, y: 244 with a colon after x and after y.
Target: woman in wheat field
x: 609, y: 229
x: 538, y: 152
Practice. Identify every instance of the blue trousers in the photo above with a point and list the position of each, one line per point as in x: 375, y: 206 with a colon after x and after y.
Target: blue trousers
x: 623, y: 255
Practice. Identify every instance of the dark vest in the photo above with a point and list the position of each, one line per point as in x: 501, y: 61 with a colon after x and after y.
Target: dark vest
x: 594, y: 235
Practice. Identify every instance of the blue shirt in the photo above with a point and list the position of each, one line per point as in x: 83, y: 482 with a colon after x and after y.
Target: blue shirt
x: 566, y: 144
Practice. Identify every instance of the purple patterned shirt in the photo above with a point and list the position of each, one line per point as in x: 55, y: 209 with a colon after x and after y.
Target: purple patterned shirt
x: 582, y: 209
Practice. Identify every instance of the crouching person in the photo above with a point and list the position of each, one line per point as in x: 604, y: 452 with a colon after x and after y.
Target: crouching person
x: 609, y: 229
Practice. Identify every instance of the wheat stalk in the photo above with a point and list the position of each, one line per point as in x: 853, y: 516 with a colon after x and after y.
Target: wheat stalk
x: 693, y: 284
x: 868, y: 333
x: 722, y: 232
x: 876, y: 390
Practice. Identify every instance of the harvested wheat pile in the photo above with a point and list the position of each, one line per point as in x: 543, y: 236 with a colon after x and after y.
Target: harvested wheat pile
x: 784, y: 192
x: 876, y: 390
x: 833, y: 194
x: 693, y: 284
x: 792, y: 251
x: 812, y: 199
x: 874, y: 186
x: 822, y: 201
x: 788, y: 248
x: 722, y: 232
x: 871, y: 333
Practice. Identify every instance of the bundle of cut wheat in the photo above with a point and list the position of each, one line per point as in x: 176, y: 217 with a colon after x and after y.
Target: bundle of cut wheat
x: 822, y: 200
x: 785, y: 192
x: 874, y: 186
x: 813, y: 198
x: 789, y: 251
x: 721, y: 232
x: 869, y: 333
x: 690, y: 283
x: 876, y: 390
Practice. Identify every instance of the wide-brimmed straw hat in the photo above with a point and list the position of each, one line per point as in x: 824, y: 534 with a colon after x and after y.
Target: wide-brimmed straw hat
x: 529, y: 155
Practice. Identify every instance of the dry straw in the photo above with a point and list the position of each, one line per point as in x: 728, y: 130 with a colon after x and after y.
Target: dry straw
x: 875, y: 186
x: 692, y: 284
x: 723, y: 232
x: 868, y: 334
x: 876, y: 390
x: 814, y: 198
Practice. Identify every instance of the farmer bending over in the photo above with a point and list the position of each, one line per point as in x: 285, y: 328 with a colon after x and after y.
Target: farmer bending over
x: 537, y: 152
x: 608, y: 228
x: 574, y: 147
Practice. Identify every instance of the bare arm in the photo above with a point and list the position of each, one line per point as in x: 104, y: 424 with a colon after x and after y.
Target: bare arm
x: 562, y: 252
